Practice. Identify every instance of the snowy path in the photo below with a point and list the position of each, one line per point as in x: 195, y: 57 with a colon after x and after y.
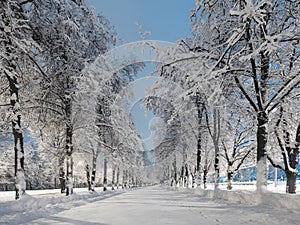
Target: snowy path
x: 155, y: 205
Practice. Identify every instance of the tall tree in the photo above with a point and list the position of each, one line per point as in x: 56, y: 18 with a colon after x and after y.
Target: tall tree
x: 16, y: 43
x: 70, y: 35
x: 214, y: 130
x: 236, y: 142
x: 284, y: 152
x: 259, y: 55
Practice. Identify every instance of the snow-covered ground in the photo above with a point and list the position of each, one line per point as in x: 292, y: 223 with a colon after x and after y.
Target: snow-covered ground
x: 42, y: 203
x: 10, y: 195
x: 274, y: 197
x: 280, y: 187
x: 153, y: 205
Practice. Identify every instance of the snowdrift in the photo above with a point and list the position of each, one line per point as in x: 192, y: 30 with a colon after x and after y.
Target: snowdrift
x: 266, y: 199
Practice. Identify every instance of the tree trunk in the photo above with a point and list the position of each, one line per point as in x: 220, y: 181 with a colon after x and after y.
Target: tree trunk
x: 118, y: 177
x: 69, y: 180
x: 168, y: 172
x: 293, y: 161
x: 216, y: 137
x: 194, y: 174
x: 9, y: 68
x: 20, y: 184
x: 62, y: 175
x: 132, y: 179
x: 200, y: 108
x: 198, y: 153
x: 113, y: 177
x: 205, y: 172
x: 291, y: 182
x: 186, y: 177
x: 126, y: 178
x: 123, y: 179
x: 87, y: 169
x: 262, y: 140
x: 93, y: 177
x: 69, y: 140
x: 105, y: 175
x: 182, y: 175
x: 175, y: 171
x: 229, y: 180
x: 217, y: 166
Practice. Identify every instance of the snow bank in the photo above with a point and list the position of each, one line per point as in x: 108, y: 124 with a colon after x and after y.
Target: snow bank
x: 288, y: 201
x: 29, y: 208
x: 266, y: 199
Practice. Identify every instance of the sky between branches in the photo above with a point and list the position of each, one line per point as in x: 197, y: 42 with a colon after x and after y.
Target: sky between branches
x: 166, y: 20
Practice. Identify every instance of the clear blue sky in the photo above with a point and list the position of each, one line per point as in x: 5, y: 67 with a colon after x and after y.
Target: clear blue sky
x: 167, y: 20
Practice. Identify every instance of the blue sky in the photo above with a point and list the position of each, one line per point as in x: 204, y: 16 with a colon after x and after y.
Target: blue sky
x: 167, y: 20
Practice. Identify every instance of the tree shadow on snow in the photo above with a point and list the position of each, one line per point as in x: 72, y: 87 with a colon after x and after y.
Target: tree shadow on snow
x: 57, y: 220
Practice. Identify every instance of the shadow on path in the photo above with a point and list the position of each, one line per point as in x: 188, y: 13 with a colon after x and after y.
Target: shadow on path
x: 29, y: 209
x: 60, y: 220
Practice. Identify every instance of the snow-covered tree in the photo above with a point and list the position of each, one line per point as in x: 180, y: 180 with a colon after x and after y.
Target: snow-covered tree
x: 214, y: 126
x: 16, y: 45
x: 255, y: 44
x: 284, y: 150
x: 70, y: 35
x: 236, y: 142
x: 208, y: 158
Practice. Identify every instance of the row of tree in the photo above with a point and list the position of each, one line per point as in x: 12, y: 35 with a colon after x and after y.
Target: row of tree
x: 44, y: 48
x: 231, y: 87
x: 239, y: 79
